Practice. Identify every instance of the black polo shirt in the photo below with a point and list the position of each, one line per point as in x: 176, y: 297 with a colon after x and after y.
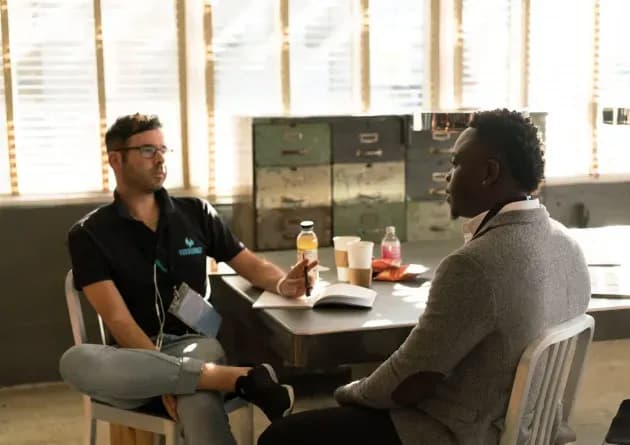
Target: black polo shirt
x: 108, y: 244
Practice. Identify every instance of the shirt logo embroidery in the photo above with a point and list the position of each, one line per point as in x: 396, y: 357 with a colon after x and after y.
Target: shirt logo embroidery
x: 190, y: 250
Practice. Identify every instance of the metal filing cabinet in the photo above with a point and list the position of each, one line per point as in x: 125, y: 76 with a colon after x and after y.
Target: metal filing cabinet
x: 292, y: 180
x: 355, y: 183
x: 368, y: 175
x: 368, y: 139
x: 369, y: 219
x: 429, y: 153
x: 428, y: 161
x: 431, y: 220
x: 278, y: 228
x: 284, y: 142
x: 291, y: 187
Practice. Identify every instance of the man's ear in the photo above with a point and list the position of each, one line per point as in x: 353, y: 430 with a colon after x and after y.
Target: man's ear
x: 493, y: 171
x: 114, y: 159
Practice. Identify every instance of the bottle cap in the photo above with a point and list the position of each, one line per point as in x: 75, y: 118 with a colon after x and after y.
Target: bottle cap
x: 390, y: 229
x: 307, y: 225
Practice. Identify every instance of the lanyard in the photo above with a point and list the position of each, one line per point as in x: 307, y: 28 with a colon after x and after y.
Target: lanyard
x: 496, y: 209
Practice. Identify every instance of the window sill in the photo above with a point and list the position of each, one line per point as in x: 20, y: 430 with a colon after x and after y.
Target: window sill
x: 586, y: 179
x: 97, y: 198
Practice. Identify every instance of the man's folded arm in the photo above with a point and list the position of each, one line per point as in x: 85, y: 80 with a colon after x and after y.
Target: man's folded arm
x: 460, y: 313
x: 109, y: 304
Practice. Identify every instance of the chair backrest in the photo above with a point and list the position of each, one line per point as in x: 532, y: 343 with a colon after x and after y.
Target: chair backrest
x: 73, y: 301
x: 563, y: 349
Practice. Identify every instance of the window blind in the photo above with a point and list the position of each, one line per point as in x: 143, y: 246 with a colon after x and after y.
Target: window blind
x: 397, y: 55
x: 5, y: 182
x: 140, y: 50
x: 490, y: 49
x: 323, y: 56
x: 55, y: 96
x: 246, y: 44
x: 561, y: 75
x: 614, y: 87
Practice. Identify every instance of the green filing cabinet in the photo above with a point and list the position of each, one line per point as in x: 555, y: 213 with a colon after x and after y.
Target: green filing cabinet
x: 288, y: 142
x: 292, y: 180
x: 368, y: 175
x: 380, y: 181
x: 278, y: 228
x: 430, y: 221
x: 283, y: 187
x: 369, y: 219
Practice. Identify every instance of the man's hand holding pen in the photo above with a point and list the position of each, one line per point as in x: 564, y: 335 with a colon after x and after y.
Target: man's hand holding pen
x: 298, y: 281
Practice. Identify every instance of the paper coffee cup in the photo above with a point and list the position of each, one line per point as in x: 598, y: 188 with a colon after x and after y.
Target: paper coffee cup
x: 360, y: 263
x: 341, y: 244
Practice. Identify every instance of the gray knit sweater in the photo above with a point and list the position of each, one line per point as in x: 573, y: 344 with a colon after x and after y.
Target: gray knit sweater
x: 489, y: 299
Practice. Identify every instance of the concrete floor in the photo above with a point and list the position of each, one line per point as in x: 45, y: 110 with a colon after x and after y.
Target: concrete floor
x: 51, y: 413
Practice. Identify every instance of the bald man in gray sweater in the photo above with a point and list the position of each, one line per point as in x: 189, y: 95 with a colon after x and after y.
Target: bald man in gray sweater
x: 517, y: 274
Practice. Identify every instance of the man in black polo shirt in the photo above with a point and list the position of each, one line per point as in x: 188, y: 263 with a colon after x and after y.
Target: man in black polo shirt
x: 127, y: 257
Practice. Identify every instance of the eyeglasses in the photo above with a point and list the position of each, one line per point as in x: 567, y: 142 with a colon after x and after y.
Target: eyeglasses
x: 147, y: 151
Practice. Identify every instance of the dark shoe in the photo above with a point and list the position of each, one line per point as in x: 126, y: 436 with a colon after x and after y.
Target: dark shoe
x: 260, y: 386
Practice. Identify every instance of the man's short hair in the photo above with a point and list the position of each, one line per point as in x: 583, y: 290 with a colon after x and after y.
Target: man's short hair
x: 515, y: 139
x: 127, y: 126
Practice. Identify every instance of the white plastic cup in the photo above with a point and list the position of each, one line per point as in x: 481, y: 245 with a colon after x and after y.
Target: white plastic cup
x: 360, y: 263
x: 341, y: 244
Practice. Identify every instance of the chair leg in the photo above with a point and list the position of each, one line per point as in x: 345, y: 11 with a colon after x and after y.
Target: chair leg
x: 144, y: 437
x: 248, y: 425
x: 92, y: 432
x: 170, y: 437
x: 242, y: 422
x: 89, y: 424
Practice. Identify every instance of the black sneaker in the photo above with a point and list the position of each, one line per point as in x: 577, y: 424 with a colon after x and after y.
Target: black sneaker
x: 260, y: 386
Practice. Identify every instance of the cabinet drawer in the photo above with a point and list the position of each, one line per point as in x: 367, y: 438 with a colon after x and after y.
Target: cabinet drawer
x: 368, y: 139
x: 428, y: 220
x: 278, y: 228
x: 442, y: 124
x: 369, y: 220
x: 359, y: 183
x: 282, y: 187
x: 291, y: 143
x: 428, y: 162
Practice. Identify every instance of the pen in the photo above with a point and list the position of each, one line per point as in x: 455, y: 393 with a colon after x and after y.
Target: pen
x: 308, y: 289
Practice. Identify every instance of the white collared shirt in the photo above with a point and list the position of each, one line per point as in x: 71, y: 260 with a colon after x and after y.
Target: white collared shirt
x: 470, y: 227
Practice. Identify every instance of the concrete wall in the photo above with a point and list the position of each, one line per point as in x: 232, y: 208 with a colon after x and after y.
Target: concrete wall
x: 34, y: 326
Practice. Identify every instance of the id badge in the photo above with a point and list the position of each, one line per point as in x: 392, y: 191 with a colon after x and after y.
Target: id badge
x: 194, y: 311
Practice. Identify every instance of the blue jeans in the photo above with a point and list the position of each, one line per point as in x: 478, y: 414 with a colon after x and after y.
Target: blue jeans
x: 130, y: 378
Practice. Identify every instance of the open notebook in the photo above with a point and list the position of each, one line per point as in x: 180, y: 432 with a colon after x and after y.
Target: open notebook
x: 334, y: 294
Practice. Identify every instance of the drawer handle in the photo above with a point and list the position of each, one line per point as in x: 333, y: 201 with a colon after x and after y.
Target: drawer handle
x: 296, y: 151
x: 292, y: 201
x: 439, y: 176
x: 437, y: 228
x: 440, y: 135
x: 364, y: 197
x: 440, y: 151
x: 368, y: 138
x: 288, y: 236
x: 374, y: 153
x: 369, y: 231
x: 292, y: 135
x: 437, y: 192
